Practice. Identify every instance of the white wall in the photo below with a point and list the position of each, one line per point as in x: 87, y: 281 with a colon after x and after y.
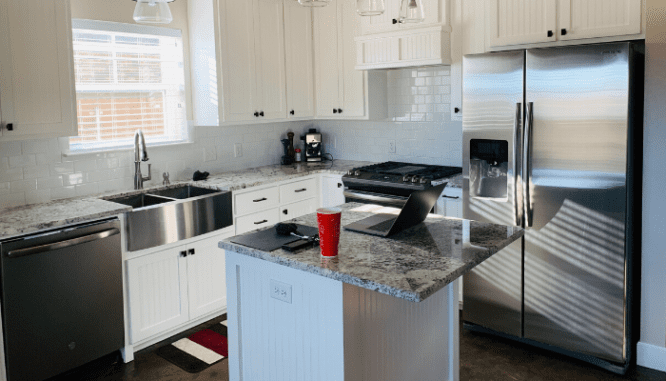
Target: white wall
x: 652, y: 346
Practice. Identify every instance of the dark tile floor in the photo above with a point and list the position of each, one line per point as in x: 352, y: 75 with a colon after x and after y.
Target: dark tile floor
x: 482, y: 357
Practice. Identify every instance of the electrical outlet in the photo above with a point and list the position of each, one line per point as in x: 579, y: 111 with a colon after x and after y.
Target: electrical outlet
x: 391, y: 146
x: 238, y: 150
x: 280, y: 291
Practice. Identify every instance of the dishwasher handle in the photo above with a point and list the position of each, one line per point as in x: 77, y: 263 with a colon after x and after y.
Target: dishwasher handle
x: 62, y: 244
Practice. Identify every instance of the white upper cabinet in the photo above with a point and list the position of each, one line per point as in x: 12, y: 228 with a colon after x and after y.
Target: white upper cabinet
x: 37, y: 92
x: 435, y: 12
x: 340, y: 89
x: 598, y: 18
x: 300, y: 69
x: 250, y: 59
x: 521, y: 22
x: 525, y: 22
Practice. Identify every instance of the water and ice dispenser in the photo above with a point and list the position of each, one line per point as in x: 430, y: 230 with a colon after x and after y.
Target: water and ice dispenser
x: 488, y: 168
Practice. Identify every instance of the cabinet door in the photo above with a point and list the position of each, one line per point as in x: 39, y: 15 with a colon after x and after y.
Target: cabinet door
x: 37, y: 68
x: 269, y: 58
x: 157, y: 285
x: 234, y: 23
x: 327, y: 60
x: 206, y: 277
x: 383, y: 22
x: 353, y: 81
x: 520, y: 22
x: 332, y: 191
x: 297, y: 209
x: 300, y: 71
x: 598, y: 18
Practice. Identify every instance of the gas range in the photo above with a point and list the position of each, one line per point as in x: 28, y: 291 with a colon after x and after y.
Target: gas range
x: 395, y: 178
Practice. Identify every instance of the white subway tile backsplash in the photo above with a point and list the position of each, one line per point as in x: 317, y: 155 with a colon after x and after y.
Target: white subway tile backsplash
x: 22, y: 186
x: 60, y: 168
x: 11, y: 174
x: 4, y: 188
x: 37, y: 196
x: 10, y: 149
x: 36, y: 172
x: 85, y: 166
x: 87, y: 189
x: 63, y: 192
x: 11, y: 200
x: 35, y: 146
x: 49, y: 182
x: 21, y: 161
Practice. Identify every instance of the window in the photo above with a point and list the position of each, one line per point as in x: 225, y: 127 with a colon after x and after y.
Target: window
x: 128, y: 77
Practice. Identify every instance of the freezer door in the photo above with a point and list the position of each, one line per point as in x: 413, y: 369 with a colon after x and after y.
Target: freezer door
x: 492, y: 124
x: 576, y: 198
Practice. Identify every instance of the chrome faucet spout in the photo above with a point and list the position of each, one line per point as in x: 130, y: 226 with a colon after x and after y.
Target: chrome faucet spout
x: 140, y: 154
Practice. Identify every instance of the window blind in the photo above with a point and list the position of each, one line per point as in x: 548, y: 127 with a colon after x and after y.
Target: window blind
x: 127, y: 77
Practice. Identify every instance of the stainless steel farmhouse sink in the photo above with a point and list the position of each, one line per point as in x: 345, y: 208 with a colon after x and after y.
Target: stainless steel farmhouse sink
x: 163, y: 216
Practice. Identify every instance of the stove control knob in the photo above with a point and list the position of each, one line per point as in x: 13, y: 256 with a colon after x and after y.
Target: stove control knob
x: 415, y: 179
x: 424, y: 180
x: 357, y: 172
x: 406, y: 178
x: 350, y: 172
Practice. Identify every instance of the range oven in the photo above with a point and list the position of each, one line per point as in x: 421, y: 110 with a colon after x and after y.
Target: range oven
x: 391, y: 183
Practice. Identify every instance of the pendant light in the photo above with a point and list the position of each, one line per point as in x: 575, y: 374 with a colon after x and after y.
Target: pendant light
x: 152, y: 12
x: 314, y: 3
x: 370, y: 7
x: 411, y: 11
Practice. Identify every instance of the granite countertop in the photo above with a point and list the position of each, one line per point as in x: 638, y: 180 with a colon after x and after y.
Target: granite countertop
x: 412, y: 265
x: 32, y: 218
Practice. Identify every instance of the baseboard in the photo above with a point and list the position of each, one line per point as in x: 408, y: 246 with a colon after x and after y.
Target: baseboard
x: 651, y: 356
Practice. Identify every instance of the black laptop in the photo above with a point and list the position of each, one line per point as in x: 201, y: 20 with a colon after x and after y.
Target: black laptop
x: 415, y: 211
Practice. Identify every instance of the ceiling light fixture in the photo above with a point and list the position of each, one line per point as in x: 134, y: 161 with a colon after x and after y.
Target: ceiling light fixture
x: 314, y: 3
x: 152, y: 11
x: 370, y: 7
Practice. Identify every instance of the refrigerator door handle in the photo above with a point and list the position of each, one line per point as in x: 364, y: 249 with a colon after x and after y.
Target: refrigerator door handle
x: 517, y: 218
x: 527, y: 164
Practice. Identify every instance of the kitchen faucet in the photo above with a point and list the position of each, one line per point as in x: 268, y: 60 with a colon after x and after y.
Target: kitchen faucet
x: 140, y: 154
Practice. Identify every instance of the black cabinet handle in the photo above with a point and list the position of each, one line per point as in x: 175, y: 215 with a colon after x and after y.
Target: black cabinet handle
x: 261, y: 222
x: 261, y: 113
x: 285, y: 212
x: 10, y: 126
x: 335, y: 111
x: 191, y: 252
x: 260, y: 199
x: 292, y: 112
x: 339, y: 111
x: 300, y: 190
x: 339, y: 185
x: 256, y: 114
x: 550, y: 33
x: 183, y: 253
x: 456, y: 110
x: 564, y: 31
x: 395, y: 21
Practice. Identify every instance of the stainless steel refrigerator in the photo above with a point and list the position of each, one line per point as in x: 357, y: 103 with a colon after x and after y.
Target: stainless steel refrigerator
x: 552, y: 142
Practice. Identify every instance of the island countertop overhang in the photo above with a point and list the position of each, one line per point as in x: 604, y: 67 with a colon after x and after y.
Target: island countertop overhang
x: 411, y: 265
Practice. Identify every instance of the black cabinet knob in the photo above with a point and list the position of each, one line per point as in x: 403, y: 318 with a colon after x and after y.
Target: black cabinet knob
x: 564, y: 31
x: 292, y: 112
x: 261, y: 113
x: 395, y: 21
x: 191, y: 252
x: 339, y: 111
x: 550, y: 33
x: 335, y: 111
x: 456, y: 110
x: 339, y: 185
x: 183, y: 253
x: 10, y: 126
x: 256, y: 114
x: 285, y: 212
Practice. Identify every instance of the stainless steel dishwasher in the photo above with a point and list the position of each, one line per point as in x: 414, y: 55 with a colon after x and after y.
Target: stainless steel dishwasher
x: 62, y: 303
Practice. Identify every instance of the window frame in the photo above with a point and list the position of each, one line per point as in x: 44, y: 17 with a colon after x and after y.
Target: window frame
x: 125, y: 144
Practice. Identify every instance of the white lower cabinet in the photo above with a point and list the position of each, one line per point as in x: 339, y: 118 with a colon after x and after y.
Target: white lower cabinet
x: 332, y: 191
x: 169, y: 288
x: 258, y: 220
x: 298, y: 209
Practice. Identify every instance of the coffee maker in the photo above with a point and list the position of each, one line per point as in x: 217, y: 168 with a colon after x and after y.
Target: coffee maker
x: 313, y: 148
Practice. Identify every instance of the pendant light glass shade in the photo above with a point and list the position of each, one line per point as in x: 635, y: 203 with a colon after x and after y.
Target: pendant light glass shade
x: 314, y: 3
x: 152, y: 12
x: 370, y: 7
x: 411, y: 11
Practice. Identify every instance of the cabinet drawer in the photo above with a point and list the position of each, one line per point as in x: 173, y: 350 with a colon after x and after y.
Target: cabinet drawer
x: 298, y: 191
x: 255, y: 201
x: 257, y: 221
x: 297, y: 209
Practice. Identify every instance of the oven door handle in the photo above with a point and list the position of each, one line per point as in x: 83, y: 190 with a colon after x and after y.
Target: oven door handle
x: 368, y: 196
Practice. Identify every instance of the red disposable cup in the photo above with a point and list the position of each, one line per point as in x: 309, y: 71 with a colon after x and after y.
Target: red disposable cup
x: 328, y: 220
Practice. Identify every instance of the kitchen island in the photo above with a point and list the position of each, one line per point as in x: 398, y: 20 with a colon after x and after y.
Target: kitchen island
x: 384, y: 309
